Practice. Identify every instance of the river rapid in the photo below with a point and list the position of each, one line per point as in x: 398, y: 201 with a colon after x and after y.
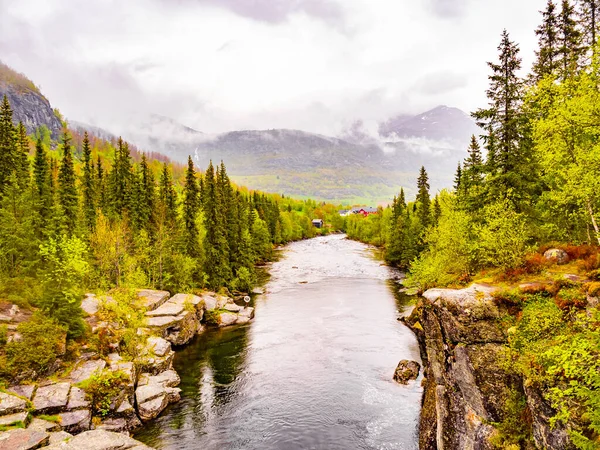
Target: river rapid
x: 313, y: 370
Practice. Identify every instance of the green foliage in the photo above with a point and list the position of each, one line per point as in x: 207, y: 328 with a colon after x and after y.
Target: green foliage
x: 3, y: 335
x: 211, y: 317
x: 42, y: 341
x: 102, y: 387
x: 514, y: 432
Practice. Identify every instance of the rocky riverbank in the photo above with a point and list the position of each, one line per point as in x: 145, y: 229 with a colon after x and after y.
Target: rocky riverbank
x: 103, y: 397
x: 468, y: 384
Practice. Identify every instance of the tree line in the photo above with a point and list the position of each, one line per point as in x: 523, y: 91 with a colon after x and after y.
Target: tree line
x: 76, y: 218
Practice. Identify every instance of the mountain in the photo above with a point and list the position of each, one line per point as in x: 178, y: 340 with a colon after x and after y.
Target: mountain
x: 28, y: 104
x: 440, y: 123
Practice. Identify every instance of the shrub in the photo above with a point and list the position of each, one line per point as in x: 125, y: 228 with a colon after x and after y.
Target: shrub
x: 593, y: 288
x: 211, y: 317
x: 570, y: 298
x: 510, y: 300
x: 515, y: 431
x: 536, y: 263
x: 102, y: 388
x: 42, y: 340
x: 3, y: 334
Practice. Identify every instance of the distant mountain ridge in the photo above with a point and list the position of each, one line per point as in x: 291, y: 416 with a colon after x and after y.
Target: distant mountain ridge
x: 354, y: 168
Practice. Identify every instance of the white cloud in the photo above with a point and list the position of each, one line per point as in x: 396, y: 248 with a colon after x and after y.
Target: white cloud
x: 218, y: 66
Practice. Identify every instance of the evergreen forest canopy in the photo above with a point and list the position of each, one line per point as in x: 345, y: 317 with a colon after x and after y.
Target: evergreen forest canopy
x: 89, y: 216
x: 531, y: 181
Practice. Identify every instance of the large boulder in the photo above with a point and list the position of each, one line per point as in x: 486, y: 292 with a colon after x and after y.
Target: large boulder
x: 99, y: 440
x: 51, y: 398
x: 23, y: 439
x: 11, y: 404
x: 154, y: 393
x: 556, y: 254
x: 226, y: 319
x: 152, y: 299
x: 90, y: 304
x: 406, y: 371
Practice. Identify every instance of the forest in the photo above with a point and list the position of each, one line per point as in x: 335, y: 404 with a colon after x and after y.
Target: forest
x: 88, y: 215
x: 530, y: 183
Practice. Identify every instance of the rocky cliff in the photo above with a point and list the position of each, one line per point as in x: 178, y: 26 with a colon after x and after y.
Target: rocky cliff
x: 27, y: 102
x: 470, y: 389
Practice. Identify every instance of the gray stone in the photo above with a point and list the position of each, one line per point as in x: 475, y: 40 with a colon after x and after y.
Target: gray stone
x: 86, y: 369
x: 232, y: 307
x: 148, y: 392
x: 77, y: 399
x: 168, y: 378
x: 152, y: 408
x: 90, y: 304
x: 43, y: 425
x: 14, y: 310
x: 51, y: 398
x: 242, y: 320
x: 159, y: 346
x: 184, y: 330
x: 406, y: 371
x: 11, y: 404
x: 13, y: 419
x: 161, y: 322
x: 23, y: 439
x: 248, y: 311
x: 118, y: 425
x: 183, y: 299
x: 222, y: 301
x: 100, y: 440
x: 556, y: 254
x: 226, y: 319
x: 152, y: 299
x: 168, y: 309
x: 76, y: 421
x: 23, y: 390
x: 210, y: 302
x: 59, y: 436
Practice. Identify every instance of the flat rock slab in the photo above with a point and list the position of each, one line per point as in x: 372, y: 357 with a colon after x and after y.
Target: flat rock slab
x: 85, y: 370
x: 248, y: 311
x: 149, y: 392
x: 59, y: 436
x: 232, y: 307
x: 152, y: 299
x: 90, y: 304
x: 226, y: 319
x: 100, y: 440
x: 23, y: 439
x: 182, y: 299
x: 77, y: 399
x: 161, y: 321
x: 11, y: 404
x: 118, y: 425
x: 168, y: 378
x: 76, y: 421
x: 242, y: 320
x: 210, y: 302
x: 159, y: 346
x: 23, y: 390
x: 43, y: 425
x: 152, y: 408
x: 51, y: 398
x: 13, y: 419
x: 168, y: 309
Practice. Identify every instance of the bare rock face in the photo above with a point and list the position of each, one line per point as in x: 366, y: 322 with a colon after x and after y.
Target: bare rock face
x: 152, y: 299
x: 76, y: 421
x: 99, y: 440
x: 11, y: 404
x: 226, y: 319
x: 52, y: 398
x: 155, y: 393
x: 556, y: 254
x: 23, y: 439
x: 406, y: 371
x: 86, y: 369
x: 13, y: 419
x: 466, y: 382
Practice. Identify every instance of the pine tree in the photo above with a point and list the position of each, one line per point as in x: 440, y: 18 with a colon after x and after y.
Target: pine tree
x: 458, y: 179
x: 167, y: 194
x: 190, y: 211
x: 120, y: 181
x: 7, y: 143
x: 508, y: 155
x: 42, y: 190
x: 87, y: 184
x: 589, y: 21
x: 570, y: 48
x: 100, y: 185
x: 546, y: 56
x: 67, y: 191
x: 21, y: 162
x: 423, y: 199
x: 437, y: 211
x: 144, y: 197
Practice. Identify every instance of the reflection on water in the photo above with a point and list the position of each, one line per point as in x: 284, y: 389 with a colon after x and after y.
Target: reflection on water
x: 313, y: 370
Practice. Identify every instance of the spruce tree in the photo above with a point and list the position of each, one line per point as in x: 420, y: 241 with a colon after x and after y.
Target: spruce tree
x: 437, y: 211
x: 167, y: 194
x: 509, y: 157
x: 144, y: 197
x: 21, y: 161
x: 42, y: 189
x: 423, y: 199
x: 67, y: 192
x: 570, y: 49
x: 190, y: 210
x: 589, y: 19
x: 458, y: 179
x: 7, y: 143
x: 100, y: 186
x: 87, y: 184
x: 548, y: 44
x: 120, y: 184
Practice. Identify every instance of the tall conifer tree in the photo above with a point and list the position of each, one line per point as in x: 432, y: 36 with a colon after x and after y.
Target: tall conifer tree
x: 87, y: 184
x: 548, y: 43
x: 67, y: 191
x: 190, y: 210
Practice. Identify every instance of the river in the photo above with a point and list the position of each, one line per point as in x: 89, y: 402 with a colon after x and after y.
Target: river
x: 313, y: 370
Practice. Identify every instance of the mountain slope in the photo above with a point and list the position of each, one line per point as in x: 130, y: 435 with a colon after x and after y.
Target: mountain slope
x: 28, y: 104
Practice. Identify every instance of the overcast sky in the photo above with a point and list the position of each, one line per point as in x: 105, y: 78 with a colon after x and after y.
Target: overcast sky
x: 218, y: 65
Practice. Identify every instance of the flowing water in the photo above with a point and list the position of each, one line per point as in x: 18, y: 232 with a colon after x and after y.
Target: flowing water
x: 313, y: 370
